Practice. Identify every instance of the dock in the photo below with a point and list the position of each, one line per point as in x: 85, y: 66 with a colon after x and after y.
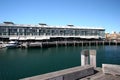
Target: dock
x: 68, y: 43
x: 67, y: 74
x: 87, y: 72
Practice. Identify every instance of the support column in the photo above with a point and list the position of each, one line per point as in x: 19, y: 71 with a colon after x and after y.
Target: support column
x: 74, y: 43
x: 56, y: 44
x: 109, y: 43
x: 92, y: 57
x: 89, y: 43
x: 116, y: 43
x: 96, y: 43
x: 82, y: 43
x: 41, y: 44
x: 65, y: 43
x: 84, y: 57
x: 103, y: 43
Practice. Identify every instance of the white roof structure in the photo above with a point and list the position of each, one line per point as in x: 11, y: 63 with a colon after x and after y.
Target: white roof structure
x: 47, y: 26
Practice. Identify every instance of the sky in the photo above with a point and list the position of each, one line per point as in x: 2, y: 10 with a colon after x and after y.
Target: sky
x: 90, y: 13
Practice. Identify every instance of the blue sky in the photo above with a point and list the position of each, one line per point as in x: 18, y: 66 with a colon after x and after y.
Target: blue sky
x: 102, y: 13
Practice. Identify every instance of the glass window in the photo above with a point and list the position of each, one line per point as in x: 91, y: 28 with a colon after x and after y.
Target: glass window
x: 42, y: 31
x: 61, y: 32
x: 53, y: 32
x: 48, y: 31
x: 77, y: 32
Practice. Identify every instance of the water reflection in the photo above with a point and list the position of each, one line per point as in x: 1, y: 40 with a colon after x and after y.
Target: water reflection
x: 3, y: 51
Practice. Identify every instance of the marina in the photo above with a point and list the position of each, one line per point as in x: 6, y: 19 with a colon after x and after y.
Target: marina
x: 60, y: 40
x: 29, y: 50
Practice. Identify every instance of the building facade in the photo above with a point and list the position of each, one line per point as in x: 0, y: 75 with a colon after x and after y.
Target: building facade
x: 112, y: 36
x: 45, y: 32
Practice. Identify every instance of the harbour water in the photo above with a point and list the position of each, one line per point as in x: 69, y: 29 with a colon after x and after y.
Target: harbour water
x: 20, y: 63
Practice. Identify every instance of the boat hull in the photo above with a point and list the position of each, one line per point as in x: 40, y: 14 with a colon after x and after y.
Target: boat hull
x: 12, y: 46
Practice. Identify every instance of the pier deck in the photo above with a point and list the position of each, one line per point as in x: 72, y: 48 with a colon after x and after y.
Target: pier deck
x: 66, y: 74
x: 98, y: 75
x: 72, y: 43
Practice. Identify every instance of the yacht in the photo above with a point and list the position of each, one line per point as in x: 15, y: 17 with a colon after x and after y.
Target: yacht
x: 12, y: 44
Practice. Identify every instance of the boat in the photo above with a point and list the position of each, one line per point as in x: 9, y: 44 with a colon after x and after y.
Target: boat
x: 12, y: 44
x: 2, y: 45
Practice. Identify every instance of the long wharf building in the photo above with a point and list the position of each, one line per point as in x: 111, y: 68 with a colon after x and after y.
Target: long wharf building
x: 42, y: 31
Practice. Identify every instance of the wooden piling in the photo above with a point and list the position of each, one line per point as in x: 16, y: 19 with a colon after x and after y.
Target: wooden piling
x: 109, y: 43
x: 89, y: 43
x: 56, y: 44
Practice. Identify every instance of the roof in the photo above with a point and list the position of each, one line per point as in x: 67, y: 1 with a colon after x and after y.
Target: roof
x: 47, y: 26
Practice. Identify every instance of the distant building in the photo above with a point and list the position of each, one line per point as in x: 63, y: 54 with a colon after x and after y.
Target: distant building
x: 45, y: 32
x: 113, y: 36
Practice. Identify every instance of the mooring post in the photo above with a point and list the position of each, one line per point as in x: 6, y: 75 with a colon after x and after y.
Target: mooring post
x: 88, y: 55
x: 84, y: 57
x: 92, y: 57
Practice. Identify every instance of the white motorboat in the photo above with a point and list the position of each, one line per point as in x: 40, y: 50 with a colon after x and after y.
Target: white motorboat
x: 12, y: 44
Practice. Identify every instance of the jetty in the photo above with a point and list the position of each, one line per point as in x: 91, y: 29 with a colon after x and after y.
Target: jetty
x: 68, y: 43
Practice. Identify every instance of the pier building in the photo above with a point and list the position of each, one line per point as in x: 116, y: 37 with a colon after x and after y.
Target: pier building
x: 12, y: 31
